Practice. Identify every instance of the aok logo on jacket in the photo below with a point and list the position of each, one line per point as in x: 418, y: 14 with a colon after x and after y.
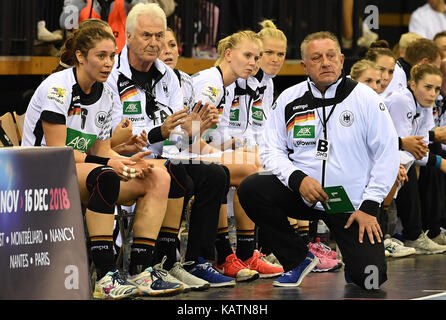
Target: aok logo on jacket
x: 79, y: 141
x: 303, y: 132
x: 234, y: 115
x: 257, y: 114
x: 131, y: 107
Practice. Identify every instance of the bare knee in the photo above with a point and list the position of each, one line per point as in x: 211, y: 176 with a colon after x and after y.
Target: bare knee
x: 237, y: 176
x: 158, y: 181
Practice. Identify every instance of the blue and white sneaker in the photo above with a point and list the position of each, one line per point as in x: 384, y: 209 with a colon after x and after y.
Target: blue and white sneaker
x: 150, y: 282
x: 204, y: 270
x: 294, y: 277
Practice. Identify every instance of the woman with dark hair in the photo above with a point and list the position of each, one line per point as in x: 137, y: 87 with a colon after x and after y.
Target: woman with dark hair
x: 73, y: 108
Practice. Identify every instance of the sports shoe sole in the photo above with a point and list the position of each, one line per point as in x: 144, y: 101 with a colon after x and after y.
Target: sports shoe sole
x: 200, y: 288
x: 166, y: 292
x: 223, y: 284
x: 422, y: 251
x: 269, y: 275
x: 304, y: 273
x: 402, y: 254
x: 159, y: 293
x: 101, y: 296
x: 247, y: 278
x: 238, y: 278
x: 336, y: 267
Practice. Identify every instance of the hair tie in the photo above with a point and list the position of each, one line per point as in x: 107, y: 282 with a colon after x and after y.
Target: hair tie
x: 64, y: 64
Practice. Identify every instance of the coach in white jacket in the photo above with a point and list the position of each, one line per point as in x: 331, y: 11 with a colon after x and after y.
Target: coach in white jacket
x: 326, y: 131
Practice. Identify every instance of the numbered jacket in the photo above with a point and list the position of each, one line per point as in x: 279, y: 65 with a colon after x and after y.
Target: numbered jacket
x: 363, y: 154
x: 131, y: 100
x: 209, y: 88
x: 60, y: 100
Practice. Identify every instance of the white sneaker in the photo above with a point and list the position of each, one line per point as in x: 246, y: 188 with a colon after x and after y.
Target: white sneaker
x: 113, y: 286
x: 271, y: 259
x: 192, y: 281
x: 166, y: 276
x: 395, y: 248
x: 424, y: 245
x: 440, y: 239
x: 46, y: 36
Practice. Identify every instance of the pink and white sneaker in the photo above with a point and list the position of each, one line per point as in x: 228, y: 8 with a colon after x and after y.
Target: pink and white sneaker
x: 325, y: 255
x: 322, y: 249
x: 326, y: 264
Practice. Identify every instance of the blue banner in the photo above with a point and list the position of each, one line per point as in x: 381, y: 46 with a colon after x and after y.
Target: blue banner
x: 43, y: 252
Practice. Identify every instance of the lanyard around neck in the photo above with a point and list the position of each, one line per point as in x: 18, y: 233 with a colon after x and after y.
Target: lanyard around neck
x: 324, y: 119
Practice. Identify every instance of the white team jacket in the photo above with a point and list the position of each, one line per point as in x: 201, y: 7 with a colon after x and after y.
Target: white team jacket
x: 249, y: 111
x: 208, y: 87
x: 131, y: 100
x: 363, y: 156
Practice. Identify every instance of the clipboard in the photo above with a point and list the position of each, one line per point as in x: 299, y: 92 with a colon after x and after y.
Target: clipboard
x: 338, y: 201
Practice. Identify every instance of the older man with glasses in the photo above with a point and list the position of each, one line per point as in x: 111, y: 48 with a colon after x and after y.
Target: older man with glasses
x: 148, y: 93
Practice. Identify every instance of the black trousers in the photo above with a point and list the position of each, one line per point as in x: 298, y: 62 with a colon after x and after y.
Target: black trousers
x: 268, y: 203
x: 431, y: 189
x: 408, y: 206
x: 209, y: 188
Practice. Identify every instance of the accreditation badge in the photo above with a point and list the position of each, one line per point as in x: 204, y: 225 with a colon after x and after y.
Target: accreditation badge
x: 322, y: 149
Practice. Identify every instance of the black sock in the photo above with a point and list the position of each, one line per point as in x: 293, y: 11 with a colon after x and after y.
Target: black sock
x: 222, y: 245
x: 141, y: 255
x: 304, y: 233
x: 101, y: 249
x: 245, y: 244
x: 166, y: 246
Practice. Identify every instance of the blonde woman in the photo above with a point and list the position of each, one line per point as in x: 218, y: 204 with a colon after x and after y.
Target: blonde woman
x: 239, y: 54
x: 367, y: 72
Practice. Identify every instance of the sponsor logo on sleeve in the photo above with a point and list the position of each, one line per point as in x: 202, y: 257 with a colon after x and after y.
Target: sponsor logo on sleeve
x: 57, y: 94
x: 211, y: 92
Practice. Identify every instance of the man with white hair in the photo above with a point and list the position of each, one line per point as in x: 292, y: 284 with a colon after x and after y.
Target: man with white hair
x: 148, y: 93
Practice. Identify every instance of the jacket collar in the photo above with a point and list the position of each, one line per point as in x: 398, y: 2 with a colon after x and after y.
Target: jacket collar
x: 330, y: 92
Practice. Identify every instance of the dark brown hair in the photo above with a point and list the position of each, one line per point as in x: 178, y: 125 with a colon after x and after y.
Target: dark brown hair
x: 420, y: 49
x: 377, y: 49
x: 418, y: 71
x: 67, y: 52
